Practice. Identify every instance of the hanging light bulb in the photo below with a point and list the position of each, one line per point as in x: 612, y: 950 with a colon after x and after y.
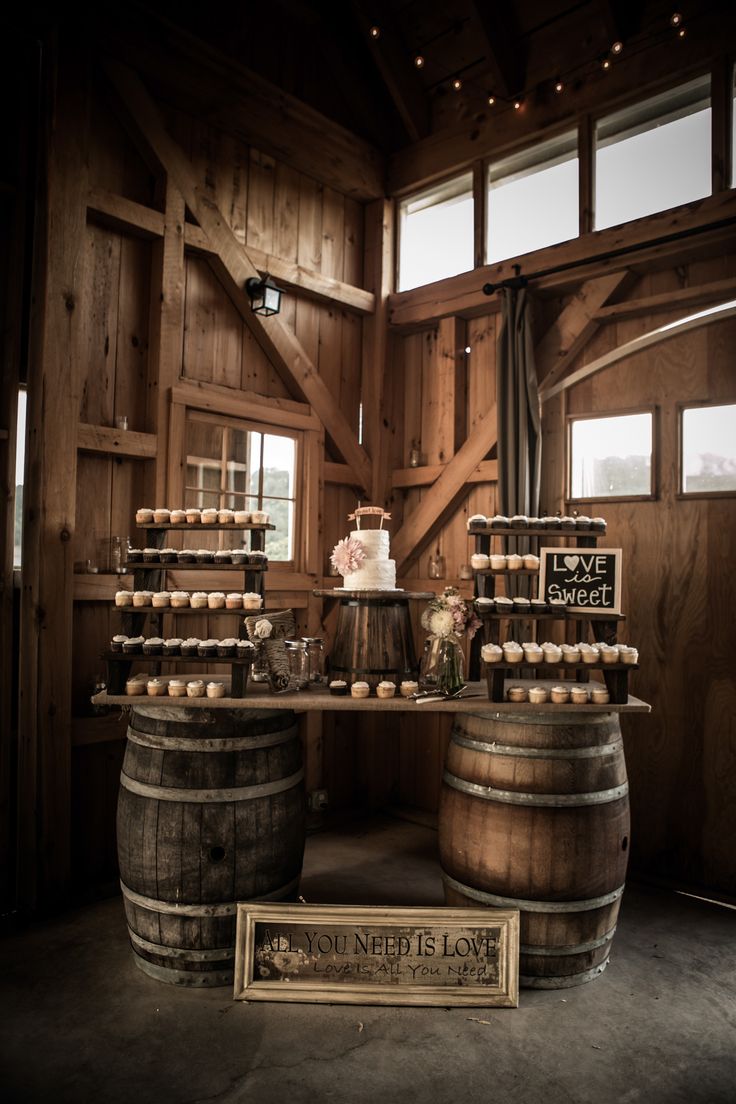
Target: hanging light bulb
x: 675, y: 19
x: 617, y: 47
x: 606, y: 63
x: 491, y: 100
x: 375, y: 32
x: 681, y: 32
x: 457, y: 84
x: 419, y: 61
x: 517, y: 103
x: 559, y: 86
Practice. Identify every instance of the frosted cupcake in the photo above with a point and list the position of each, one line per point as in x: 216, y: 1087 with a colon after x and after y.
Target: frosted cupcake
x: 134, y: 687
x: 142, y: 597
x: 168, y: 555
x: 514, y: 562
x: 241, y: 517
x: 216, y: 600
x: 177, y: 688
x: 134, y: 555
x: 172, y: 646
x: 116, y: 644
x: 223, y: 556
x: 578, y: 695
x: 531, y: 562
x: 499, y: 521
x: 225, y: 516
x: 513, y: 652
x: 178, y: 517
x: 498, y: 561
x: 123, y: 598
x: 252, y: 601
x: 144, y: 516
x: 517, y: 694
x: 199, y: 600
x: 504, y: 605
x: 533, y: 653
x: 479, y: 561
x: 161, y: 515
x: 608, y: 653
x: 155, y: 688
x: 386, y: 689
x: 194, y: 515
x: 226, y: 647
x: 599, y: 695
x: 552, y: 652
x: 179, y: 599
x: 195, y: 689
x: 485, y: 605
x: 570, y: 653
x: 133, y: 645
x: 245, y: 649
x: 189, y: 646
x: 360, y: 689
x: 538, y: 695
x: 588, y: 653
x: 161, y: 600
x: 627, y: 655
x: 259, y: 517
x: 559, y: 695
x: 234, y: 600
x: 238, y: 555
x: 491, y: 653
x: 151, y: 555
x: 215, y: 689
x: 209, y: 517
x: 408, y: 687
x: 477, y: 521
x: 207, y: 649
x: 153, y: 646
x: 204, y: 555
x: 338, y: 687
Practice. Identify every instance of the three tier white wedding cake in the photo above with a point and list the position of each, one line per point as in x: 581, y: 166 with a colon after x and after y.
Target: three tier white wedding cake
x: 362, y: 558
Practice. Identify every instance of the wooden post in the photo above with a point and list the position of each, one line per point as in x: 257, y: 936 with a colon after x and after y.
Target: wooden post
x: 379, y: 234
x: 44, y: 750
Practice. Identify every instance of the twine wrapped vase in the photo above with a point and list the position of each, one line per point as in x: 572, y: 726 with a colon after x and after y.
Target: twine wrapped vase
x: 282, y: 627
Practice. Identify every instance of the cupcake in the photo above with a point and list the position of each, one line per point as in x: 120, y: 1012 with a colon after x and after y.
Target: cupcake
x: 386, y: 689
x: 252, y: 601
x: 608, y: 653
x: 144, y: 516
x: 491, y: 653
x: 161, y: 515
x: 134, y: 687
x: 570, y: 653
x: 557, y: 605
x: 537, y: 605
x: 567, y: 522
x: 241, y: 517
x: 189, y: 647
x: 215, y: 689
x: 186, y: 556
x: 194, y: 515
x: 234, y: 600
x: 257, y: 558
x: 124, y: 598
x: 259, y: 517
x: 161, y: 600
x: 552, y: 652
x: 533, y: 653
x: 408, y: 687
x: 195, y: 689
x: 153, y: 646
x: 172, y: 646
x: 209, y: 517
x: 479, y: 561
x: 512, y: 652
x: 519, y: 521
x: 245, y: 649
x: 360, y: 689
x: 199, y: 600
x: 207, y: 649
x: 589, y: 653
x: 599, y: 695
x: 177, y: 688
x: 168, y: 555
x: 499, y: 521
x: 134, y: 556
x: 238, y: 555
x: 150, y: 555
x: 538, y: 695
x: 226, y: 647
x: 498, y: 561
x: 579, y: 695
x: 142, y: 598
x: 477, y: 521
x: 155, y: 688
x: 535, y: 523
x: 517, y: 694
x: 559, y: 695
x: 550, y: 522
x: 627, y: 655
x: 485, y: 605
x: 178, y: 517
x: 514, y: 562
x: 216, y: 600
x: 504, y: 605
x: 582, y: 522
x: 531, y: 562
x: 117, y: 642
x: 223, y: 556
x: 339, y: 687
x: 133, y: 645
x: 204, y: 555
x: 179, y: 599
x: 521, y: 605
x: 225, y: 516
x: 598, y: 524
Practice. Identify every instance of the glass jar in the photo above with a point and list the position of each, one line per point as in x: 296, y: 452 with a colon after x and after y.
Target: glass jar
x: 259, y: 671
x: 436, y: 566
x: 316, y: 659
x: 119, y: 555
x: 296, y: 651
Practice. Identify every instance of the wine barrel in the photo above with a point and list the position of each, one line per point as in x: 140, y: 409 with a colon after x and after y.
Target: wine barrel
x: 373, y: 641
x: 211, y: 812
x: 534, y: 815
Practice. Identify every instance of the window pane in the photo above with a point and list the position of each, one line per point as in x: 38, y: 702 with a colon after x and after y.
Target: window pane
x: 278, y: 466
x: 255, y: 464
x: 279, y: 544
x: 709, y: 449
x: 436, y: 233
x: 654, y: 156
x: 533, y: 199
x: 611, y: 457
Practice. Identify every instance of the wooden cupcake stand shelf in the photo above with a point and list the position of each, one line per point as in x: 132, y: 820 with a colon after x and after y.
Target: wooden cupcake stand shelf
x: 148, y: 575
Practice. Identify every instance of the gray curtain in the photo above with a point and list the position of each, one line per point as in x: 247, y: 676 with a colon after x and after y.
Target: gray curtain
x: 519, y: 424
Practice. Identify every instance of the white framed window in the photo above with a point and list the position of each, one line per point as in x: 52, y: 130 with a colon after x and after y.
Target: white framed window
x: 653, y: 155
x: 611, y: 456
x: 436, y: 233
x: 707, y: 435
x: 532, y: 198
x: 245, y: 465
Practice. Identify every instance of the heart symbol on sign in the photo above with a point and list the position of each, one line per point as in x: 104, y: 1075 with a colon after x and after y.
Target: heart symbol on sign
x: 571, y: 562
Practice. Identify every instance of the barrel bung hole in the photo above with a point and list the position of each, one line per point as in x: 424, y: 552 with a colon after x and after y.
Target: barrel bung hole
x: 624, y: 843
x: 217, y: 854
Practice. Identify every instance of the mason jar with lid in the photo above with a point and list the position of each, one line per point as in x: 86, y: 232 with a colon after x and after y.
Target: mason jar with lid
x: 296, y: 651
x: 316, y: 656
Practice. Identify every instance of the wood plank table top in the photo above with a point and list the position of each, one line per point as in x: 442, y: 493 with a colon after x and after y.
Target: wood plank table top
x: 378, y: 595
x: 315, y: 701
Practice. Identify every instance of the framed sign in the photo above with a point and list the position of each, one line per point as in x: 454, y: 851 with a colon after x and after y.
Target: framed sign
x: 587, y: 579
x: 348, y: 955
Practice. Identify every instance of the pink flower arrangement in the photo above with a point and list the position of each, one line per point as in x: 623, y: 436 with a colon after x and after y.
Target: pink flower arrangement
x: 448, y: 614
x: 348, y: 555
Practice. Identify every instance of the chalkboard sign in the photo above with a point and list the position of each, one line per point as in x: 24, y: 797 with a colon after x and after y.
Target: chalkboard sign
x: 587, y: 579
x: 343, y: 954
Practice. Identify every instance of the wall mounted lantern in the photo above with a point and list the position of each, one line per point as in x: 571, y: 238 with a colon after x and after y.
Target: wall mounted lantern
x: 265, y: 296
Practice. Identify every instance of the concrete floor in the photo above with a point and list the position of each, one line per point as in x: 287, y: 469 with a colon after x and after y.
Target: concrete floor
x: 80, y: 1023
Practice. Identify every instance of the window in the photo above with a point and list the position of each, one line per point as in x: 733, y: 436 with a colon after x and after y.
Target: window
x: 611, y: 456
x: 653, y: 156
x: 533, y: 199
x: 20, y: 460
x: 436, y: 233
x: 708, y: 449
x: 241, y: 466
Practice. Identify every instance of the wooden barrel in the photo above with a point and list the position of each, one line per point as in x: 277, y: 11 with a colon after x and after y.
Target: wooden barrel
x: 211, y: 812
x: 373, y: 641
x: 534, y: 815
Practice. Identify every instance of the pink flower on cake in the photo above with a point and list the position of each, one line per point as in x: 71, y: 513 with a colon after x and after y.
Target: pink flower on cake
x: 348, y: 555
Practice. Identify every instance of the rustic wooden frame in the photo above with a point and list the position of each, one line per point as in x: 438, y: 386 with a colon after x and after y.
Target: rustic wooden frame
x: 680, y: 409
x: 572, y: 550
x: 504, y: 995
x: 653, y: 410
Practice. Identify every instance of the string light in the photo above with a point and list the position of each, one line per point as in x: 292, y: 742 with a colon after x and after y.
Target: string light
x: 681, y: 33
x: 375, y: 32
x: 606, y: 63
x: 617, y: 47
x: 419, y: 61
x: 517, y: 103
x: 457, y: 84
x: 675, y: 19
x: 491, y: 101
x: 559, y: 86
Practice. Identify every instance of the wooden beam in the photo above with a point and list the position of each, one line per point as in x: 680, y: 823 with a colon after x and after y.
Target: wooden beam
x: 716, y: 291
x: 124, y: 214
x: 394, y: 64
x: 378, y: 265
x: 455, y: 475
x: 638, y: 344
x: 576, y: 325
x: 211, y: 84
x: 313, y: 285
x: 116, y: 442
x: 505, y: 51
x: 235, y: 267
x: 244, y: 404
x: 427, y: 474
x: 656, y: 236
x: 338, y: 474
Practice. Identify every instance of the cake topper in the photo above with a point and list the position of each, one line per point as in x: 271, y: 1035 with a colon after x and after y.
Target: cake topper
x: 370, y: 511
